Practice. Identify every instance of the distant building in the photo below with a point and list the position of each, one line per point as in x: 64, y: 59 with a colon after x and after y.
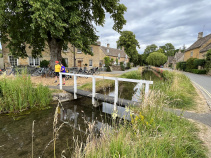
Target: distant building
x: 199, y: 48
x: 173, y: 60
x: 97, y: 60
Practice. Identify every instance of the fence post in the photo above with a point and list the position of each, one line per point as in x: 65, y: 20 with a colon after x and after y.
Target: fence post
x: 93, y: 90
x: 116, y: 93
x: 75, y: 86
x: 60, y: 80
x: 146, y: 88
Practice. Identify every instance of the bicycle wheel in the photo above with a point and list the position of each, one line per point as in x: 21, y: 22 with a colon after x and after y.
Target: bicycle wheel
x: 97, y: 72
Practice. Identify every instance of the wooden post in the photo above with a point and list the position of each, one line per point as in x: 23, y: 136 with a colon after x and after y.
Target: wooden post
x: 75, y: 87
x: 116, y: 93
x: 93, y: 90
x: 60, y: 80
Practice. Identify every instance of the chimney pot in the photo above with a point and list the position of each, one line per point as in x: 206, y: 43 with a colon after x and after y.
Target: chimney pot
x: 200, y: 35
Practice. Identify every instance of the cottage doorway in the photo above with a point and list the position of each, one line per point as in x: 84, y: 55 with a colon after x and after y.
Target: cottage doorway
x: 79, y: 63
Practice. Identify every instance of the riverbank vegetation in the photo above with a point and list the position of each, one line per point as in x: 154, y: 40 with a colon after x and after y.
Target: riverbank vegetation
x: 18, y: 94
x: 153, y: 132
x: 102, y: 84
x: 179, y: 91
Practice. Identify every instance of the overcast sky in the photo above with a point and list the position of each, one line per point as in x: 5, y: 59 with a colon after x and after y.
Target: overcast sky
x: 161, y: 21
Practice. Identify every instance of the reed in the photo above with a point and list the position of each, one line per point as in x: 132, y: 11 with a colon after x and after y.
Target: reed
x: 18, y: 94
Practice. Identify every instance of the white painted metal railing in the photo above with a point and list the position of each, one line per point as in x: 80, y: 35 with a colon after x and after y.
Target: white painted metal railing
x: 140, y: 82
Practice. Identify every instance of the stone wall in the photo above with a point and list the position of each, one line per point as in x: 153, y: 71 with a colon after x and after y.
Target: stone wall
x: 116, y: 68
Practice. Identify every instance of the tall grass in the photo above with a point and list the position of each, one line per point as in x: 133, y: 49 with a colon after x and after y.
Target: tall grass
x: 18, y: 94
x: 151, y: 133
x: 178, y: 88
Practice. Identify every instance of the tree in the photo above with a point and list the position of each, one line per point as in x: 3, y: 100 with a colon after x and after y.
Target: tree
x: 150, y: 49
x: 54, y: 23
x: 208, y: 60
x: 169, y: 49
x: 156, y: 59
x: 128, y: 40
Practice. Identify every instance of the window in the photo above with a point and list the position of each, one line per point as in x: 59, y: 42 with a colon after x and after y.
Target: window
x: 34, y: 61
x: 13, y: 61
x: 79, y: 50
x: 191, y: 54
x: 90, y: 62
x: 66, y: 61
x: 107, y: 50
x: 92, y: 49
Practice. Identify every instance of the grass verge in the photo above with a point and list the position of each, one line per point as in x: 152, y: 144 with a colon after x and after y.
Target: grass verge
x: 180, y: 93
x: 151, y: 133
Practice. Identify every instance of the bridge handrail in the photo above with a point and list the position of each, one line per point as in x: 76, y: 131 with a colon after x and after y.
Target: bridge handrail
x: 116, y: 79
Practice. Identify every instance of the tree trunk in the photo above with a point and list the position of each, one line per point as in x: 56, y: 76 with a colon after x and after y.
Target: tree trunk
x: 55, y: 46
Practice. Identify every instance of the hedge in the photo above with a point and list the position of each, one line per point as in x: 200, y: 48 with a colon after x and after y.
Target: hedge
x: 196, y: 71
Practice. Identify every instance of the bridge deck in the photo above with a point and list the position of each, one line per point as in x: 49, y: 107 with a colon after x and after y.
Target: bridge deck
x: 102, y: 97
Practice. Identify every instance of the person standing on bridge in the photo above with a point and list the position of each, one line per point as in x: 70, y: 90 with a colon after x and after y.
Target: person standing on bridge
x: 63, y: 71
x: 57, y: 70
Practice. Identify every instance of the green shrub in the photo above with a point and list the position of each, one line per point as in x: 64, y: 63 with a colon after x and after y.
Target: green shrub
x: 199, y: 62
x: 128, y: 65
x: 196, y: 71
x: 181, y: 66
x: 108, y: 69
x: 122, y: 66
x: 190, y: 64
x: 208, y: 60
x: 1, y: 55
x: 107, y: 61
x: 44, y: 63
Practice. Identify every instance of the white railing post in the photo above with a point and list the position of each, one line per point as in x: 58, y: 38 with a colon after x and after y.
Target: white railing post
x: 75, y: 86
x: 93, y: 90
x: 116, y: 93
x: 60, y: 80
x: 146, y: 88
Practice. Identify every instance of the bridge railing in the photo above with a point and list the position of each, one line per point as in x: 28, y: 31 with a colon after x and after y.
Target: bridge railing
x: 140, y: 82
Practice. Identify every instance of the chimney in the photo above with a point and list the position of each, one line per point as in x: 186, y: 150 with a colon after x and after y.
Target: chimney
x: 108, y: 45
x: 200, y: 35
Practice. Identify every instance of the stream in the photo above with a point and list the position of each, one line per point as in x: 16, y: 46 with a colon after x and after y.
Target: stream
x: 75, y: 115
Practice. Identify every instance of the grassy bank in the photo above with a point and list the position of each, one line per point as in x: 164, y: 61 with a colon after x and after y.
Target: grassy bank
x: 101, y: 84
x: 18, y: 94
x: 152, y: 132
x: 178, y: 89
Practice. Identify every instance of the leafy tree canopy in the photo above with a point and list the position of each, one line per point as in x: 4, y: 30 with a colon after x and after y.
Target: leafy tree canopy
x: 128, y: 40
x: 54, y: 23
x: 150, y: 49
x: 169, y: 49
x: 156, y: 59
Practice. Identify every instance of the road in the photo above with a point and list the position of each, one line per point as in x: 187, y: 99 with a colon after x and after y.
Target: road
x: 203, y: 82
